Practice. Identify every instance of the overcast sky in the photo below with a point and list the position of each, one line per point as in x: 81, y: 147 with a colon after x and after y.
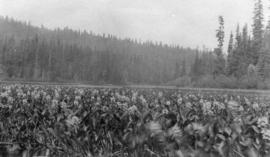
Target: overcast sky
x: 184, y: 22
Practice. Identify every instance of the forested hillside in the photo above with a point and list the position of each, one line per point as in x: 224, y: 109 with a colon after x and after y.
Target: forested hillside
x: 37, y: 53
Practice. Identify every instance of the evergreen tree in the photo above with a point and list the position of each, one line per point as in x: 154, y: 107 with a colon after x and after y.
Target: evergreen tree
x: 257, y: 31
x: 220, y: 61
x: 236, y: 54
x: 244, y: 42
x: 230, y: 55
x: 237, y: 37
x: 263, y: 66
x: 230, y: 46
x: 242, y: 59
x: 220, y: 33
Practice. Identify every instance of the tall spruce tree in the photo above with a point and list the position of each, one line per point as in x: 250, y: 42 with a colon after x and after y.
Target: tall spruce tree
x: 220, y: 33
x: 220, y: 61
x: 257, y: 30
x: 236, y: 53
x: 263, y: 66
x: 230, y: 46
x: 243, y: 61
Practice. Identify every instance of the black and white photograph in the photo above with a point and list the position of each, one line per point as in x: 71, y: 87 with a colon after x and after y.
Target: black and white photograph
x: 134, y: 78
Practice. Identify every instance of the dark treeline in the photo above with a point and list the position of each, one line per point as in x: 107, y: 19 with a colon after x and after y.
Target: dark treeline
x: 40, y: 54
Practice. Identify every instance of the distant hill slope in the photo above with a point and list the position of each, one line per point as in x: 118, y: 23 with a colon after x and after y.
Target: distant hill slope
x: 37, y: 53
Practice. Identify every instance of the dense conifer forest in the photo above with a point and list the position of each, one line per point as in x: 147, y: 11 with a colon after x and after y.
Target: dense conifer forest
x: 34, y: 53
x: 37, y: 53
